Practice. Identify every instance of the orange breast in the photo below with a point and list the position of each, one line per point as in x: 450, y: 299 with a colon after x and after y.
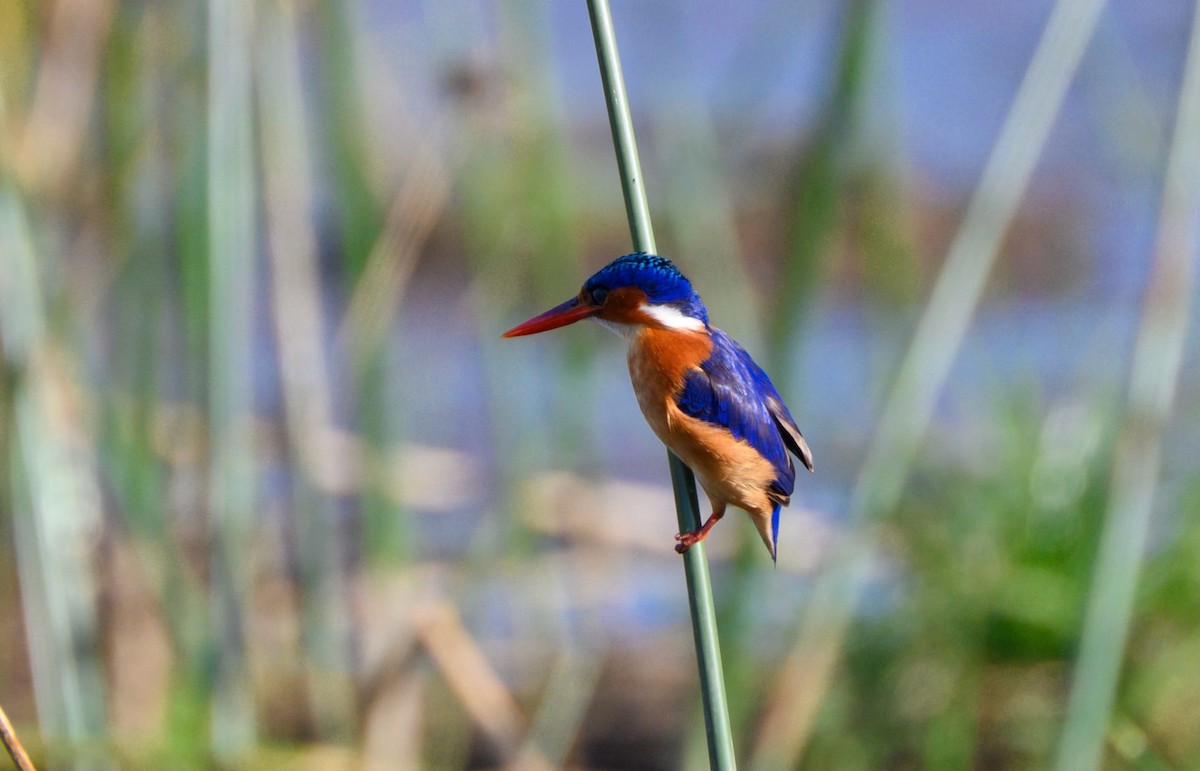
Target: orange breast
x: 728, y: 469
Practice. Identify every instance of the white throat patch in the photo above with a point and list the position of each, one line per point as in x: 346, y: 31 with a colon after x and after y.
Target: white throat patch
x: 671, y: 317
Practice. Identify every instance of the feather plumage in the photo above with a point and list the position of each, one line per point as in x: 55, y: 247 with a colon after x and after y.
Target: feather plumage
x: 730, y: 390
x: 701, y: 393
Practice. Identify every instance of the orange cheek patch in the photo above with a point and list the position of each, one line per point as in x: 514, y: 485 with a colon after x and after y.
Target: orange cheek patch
x: 624, y: 306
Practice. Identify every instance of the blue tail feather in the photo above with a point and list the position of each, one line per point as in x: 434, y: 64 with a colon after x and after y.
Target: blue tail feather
x: 775, y: 531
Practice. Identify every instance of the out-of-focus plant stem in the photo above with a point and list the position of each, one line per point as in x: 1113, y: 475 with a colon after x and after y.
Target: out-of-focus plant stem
x: 231, y: 265
x: 923, y: 372
x: 12, y: 744
x: 1154, y: 377
x: 57, y: 513
x: 816, y: 185
x: 358, y: 215
x: 704, y: 617
x: 308, y: 401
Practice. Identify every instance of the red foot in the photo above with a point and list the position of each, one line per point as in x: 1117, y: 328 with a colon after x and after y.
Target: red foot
x: 688, y: 540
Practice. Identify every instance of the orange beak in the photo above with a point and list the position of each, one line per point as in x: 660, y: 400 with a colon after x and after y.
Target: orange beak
x: 558, y: 316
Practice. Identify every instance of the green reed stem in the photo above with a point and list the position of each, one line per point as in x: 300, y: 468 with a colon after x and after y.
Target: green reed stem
x: 56, y: 508
x: 232, y: 228
x: 695, y: 563
x: 1154, y: 377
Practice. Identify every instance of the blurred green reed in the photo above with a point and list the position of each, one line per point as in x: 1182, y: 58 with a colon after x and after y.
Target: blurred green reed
x: 1153, y: 381
x: 233, y: 479
x: 908, y: 406
x: 183, y: 176
x: 55, y: 504
x: 817, y: 184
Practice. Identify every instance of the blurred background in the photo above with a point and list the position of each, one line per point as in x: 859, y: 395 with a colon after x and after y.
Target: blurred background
x: 275, y: 494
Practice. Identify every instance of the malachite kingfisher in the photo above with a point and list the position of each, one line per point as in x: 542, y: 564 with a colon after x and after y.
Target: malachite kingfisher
x: 701, y: 393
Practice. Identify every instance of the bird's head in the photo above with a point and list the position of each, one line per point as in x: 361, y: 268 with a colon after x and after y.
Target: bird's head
x: 634, y: 291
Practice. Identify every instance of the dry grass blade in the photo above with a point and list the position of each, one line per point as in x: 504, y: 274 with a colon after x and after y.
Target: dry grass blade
x: 295, y: 280
x: 393, y: 730
x: 557, y: 723
x: 66, y: 84
x: 12, y: 743
x: 474, y: 681
x: 410, y: 219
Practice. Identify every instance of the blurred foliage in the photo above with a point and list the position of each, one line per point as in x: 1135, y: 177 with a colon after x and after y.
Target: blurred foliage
x: 965, y: 662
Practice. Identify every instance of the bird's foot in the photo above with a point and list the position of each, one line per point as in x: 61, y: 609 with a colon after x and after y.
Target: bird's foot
x: 685, y: 541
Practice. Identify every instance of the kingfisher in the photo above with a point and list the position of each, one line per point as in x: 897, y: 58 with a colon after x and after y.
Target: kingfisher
x: 701, y: 393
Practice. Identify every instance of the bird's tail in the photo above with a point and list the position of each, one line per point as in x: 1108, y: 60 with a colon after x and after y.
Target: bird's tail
x: 775, y: 530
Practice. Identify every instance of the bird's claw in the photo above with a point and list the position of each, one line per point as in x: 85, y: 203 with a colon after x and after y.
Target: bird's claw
x: 686, y: 541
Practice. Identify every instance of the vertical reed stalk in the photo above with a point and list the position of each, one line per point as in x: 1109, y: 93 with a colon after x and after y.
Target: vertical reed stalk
x: 231, y: 259
x: 56, y: 511
x: 295, y: 285
x: 1154, y: 376
x: 704, y: 621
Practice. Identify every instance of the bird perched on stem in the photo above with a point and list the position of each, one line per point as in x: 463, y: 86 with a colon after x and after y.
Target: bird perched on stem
x: 701, y: 393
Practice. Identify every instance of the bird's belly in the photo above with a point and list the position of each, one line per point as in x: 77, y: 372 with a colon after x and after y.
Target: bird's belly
x: 729, y: 470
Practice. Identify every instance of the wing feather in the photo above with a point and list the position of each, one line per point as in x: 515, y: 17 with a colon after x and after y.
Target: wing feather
x: 729, y: 389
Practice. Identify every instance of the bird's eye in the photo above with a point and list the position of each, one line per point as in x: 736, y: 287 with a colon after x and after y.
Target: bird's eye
x: 598, y: 295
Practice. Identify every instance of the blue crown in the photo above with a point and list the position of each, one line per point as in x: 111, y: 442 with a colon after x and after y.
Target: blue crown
x: 656, y: 276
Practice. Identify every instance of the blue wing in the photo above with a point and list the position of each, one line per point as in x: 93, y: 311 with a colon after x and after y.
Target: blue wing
x: 730, y: 390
